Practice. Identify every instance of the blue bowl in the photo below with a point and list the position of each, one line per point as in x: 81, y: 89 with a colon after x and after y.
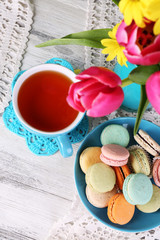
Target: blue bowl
x: 140, y: 221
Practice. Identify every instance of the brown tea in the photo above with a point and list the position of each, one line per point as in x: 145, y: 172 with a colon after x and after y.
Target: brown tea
x: 42, y: 101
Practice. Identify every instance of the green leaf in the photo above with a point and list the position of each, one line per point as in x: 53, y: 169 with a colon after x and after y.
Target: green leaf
x: 95, y: 34
x: 68, y: 41
x: 140, y: 74
x: 126, y: 82
x: 141, y: 109
x: 91, y: 38
x: 116, y: 1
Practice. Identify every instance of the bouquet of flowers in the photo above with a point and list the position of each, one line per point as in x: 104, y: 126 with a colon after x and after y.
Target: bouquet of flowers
x: 135, y: 39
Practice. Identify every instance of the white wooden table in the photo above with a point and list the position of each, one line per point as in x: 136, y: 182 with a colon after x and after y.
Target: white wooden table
x: 36, y: 191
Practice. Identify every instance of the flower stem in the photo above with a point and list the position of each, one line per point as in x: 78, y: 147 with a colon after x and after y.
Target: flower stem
x: 126, y: 82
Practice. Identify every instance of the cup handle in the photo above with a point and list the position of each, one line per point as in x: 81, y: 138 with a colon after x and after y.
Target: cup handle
x: 64, y: 145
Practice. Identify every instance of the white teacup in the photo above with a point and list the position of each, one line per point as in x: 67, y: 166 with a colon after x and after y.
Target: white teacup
x: 61, y: 136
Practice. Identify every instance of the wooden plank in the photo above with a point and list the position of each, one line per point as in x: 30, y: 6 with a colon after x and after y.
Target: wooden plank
x: 34, y: 56
x: 34, y: 191
x: 54, y: 19
x: 19, y: 166
x: 12, y: 235
x: 29, y: 211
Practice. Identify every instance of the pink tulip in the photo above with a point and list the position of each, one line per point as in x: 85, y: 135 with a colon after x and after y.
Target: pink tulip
x: 142, y: 47
x: 98, y: 92
x: 153, y: 90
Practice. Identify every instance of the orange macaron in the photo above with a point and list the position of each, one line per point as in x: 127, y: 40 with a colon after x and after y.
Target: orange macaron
x: 121, y: 173
x: 119, y: 210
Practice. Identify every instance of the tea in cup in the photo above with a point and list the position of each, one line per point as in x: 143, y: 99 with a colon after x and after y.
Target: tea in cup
x: 39, y: 102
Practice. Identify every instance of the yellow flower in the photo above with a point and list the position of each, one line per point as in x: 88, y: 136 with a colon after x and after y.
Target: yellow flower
x: 153, y: 13
x: 133, y: 10
x: 113, y: 49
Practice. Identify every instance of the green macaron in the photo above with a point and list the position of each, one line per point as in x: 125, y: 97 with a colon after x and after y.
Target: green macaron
x: 100, y: 177
x: 137, y: 189
x: 139, y: 160
x: 115, y: 134
x: 154, y: 204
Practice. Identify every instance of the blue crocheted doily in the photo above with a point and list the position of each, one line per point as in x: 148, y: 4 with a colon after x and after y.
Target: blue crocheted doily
x: 37, y: 144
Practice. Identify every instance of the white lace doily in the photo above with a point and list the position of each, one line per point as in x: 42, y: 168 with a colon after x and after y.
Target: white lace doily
x: 101, y: 14
x: 15, y: 23
x: 79, y: 224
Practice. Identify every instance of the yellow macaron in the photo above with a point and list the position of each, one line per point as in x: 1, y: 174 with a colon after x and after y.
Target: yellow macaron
x: 88, y: 157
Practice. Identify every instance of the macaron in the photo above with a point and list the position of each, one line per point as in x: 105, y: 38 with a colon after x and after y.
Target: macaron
x: 114, y: 155
x: 100, y: 177
x: 88, y: 157
x: 147, y: 142
x: 156, y: 170
x: 119, y: 210
x: 99, y: 200
x: 121, y: 173
x: 139, y: 160
x: 137, y: 189
x: 115, y: 134
x: 154, y: 204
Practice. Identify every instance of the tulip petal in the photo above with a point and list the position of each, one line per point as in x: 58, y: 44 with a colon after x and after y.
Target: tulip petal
x: 154, y: 47
x: 149, y: 59
x: 73, y: 99
x: 76, y: 106
x: 140, y: 55
x: 148, y: 56
x: 99, y: 92
x: 101, y: 74
x: 153, y: 90
x: 80, y: 86
x: 105, y: 103
x: 132, y: 33
x: 89, y: 89
x: 87, y: 100
x: 89, y: 96
x: 79, y: 89
x: 133, y: 50
x: 121, y: 34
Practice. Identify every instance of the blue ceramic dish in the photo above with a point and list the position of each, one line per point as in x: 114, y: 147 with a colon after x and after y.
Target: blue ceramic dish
x: 140, y: 221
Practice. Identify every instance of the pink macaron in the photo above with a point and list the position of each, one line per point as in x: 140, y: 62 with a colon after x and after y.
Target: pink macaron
x: 156, y: 171
x: 114, y: 155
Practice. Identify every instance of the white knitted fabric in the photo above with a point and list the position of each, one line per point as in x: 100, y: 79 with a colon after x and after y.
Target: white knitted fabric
x: 15, y: 23
x: 101, y: 14
x: 79, y: 224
